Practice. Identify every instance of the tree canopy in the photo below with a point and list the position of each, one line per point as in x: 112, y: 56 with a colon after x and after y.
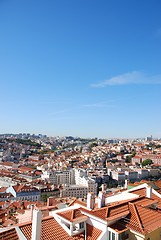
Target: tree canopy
x: 147, y: 162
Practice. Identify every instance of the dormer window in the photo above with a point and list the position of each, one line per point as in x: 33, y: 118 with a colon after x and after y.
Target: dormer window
x: 73, y: 221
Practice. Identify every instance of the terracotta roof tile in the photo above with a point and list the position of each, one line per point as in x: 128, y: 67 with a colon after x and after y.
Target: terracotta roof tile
x: 3, y: 189
x: 26, y: 230
x: 77, y: 201
x: 140, y: 192
x: 71, y: 215
x: 141, y: 219
x: 149, y: 218
x: 10, y: 234
x: 100, y: 213
x: 109, y: 212
x: 120, y: 208
x: 135, y: 222
x: 144, y: 201
x: 17, y: 188
x: 51, y: 230
x: 92, y: 232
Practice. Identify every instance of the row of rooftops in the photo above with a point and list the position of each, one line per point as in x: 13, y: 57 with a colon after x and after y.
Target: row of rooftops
x: 74, y: 158
x: 139, y: 213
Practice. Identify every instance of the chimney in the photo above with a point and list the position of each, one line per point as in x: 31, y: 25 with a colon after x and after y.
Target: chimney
x: 101, y: 200
x: 22, y: 205
x: 90, y: 200
x: 104, y: 187
x: 36, y: 224
x: 32, y: 208
x: 126, y: 184
x: 149, y: 192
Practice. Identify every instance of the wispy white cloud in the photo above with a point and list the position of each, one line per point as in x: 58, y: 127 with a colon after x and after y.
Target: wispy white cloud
x: 97, y: 105
x: 60, y: 111
x: 135, y: 77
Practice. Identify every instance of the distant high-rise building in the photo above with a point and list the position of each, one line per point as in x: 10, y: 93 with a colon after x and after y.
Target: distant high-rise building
x: 149, y: 138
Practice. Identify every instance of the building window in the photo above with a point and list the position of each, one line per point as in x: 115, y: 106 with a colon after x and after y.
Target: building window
x: 123, y: 236
x: 81, y: 225
x: 109, y: 235
x: 113, y: 236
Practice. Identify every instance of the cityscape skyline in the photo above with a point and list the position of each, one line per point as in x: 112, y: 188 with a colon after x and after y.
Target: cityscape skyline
x: 77, y: 68
x: 44, y: 136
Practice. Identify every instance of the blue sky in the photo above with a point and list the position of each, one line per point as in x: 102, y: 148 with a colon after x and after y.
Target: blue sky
x: 81, y: 67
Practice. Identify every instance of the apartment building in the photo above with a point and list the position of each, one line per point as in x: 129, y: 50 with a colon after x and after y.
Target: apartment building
x: 80, y: 176
x: 58, y: 177
x: 142, y: 173
x: 74, y: 191
x: 131, y: 175
x: 138, y: 159
x: 24, y: 192
x: 79, y: 190
x: 119, y: 176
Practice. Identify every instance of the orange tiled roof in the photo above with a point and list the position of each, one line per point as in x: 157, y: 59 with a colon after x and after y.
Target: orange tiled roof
x: 51, y: 230
x: 16, y: 204
x: 92, y: 232
x: 142, y: 192
x: 71, y: 215
x: 26, y: 230
x: 2, y: 212
x: 155, y: 197
x: 134, y: 220
x: 109, y: 212
x: 8, y: 222
x: 118, y: 209
x: 10, y: 234
x: 139, y: 219
x: 3, y: 189
x: 158, y: 183
x: 159, y: 205
x: 17, y: 188
x: 77, y: 201
x: 100, y: 213
x: 143, y: 219
x: 144, y: 201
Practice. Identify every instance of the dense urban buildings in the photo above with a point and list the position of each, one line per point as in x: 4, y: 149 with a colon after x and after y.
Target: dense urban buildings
x: 85, y: 188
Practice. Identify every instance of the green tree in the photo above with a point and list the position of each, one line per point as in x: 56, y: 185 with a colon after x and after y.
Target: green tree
x: 128, y: 159
x: 147, y: 162
x: 133, y: 154
x: 44, y: 197
x: 94, y: 144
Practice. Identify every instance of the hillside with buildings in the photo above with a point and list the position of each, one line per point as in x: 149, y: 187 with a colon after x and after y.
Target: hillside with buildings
x: 81, y: 187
